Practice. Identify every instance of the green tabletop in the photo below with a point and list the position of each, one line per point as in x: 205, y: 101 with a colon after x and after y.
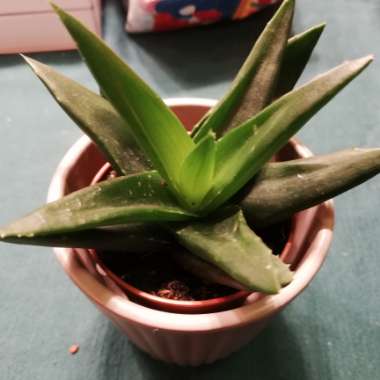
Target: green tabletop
x: 332, y: 331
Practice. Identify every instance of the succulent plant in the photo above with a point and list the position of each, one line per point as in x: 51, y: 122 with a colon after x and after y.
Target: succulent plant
x: 200, y: 189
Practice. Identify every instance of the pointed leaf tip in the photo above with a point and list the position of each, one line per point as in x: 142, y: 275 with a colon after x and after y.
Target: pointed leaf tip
x: 233, y: 247
x: 368, y: 58
x: 55, y: 7
x: 96, y: 117
x: 296, y: 56
x: 289, y: 3
x: 31, y: 62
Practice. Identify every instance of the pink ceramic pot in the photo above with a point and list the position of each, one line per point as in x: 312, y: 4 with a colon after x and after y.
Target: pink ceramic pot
x: 188, y: 339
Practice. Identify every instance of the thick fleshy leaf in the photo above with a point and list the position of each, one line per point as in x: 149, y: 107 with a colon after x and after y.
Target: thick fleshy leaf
x: 157, y: 130
x: 131, y: 238
x: 96, y: 117
x: 253, y: 86
x: 283, y: 188
x: 295, y: 58
x: 136, y: 198
x: 279, y: 190
x: 273, y: 127
x: 229, y: 244
x: 197, y: 173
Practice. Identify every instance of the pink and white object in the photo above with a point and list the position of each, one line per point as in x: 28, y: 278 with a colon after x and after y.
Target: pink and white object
x: 159, y: 15
x: 182, y: 338
x: 32, y: 26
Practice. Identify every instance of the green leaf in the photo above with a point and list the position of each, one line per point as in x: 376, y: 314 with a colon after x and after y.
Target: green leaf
x: 275, y: 125
x: 228, y: 145
x: 133, y: 238
x: 281, y: 189
x: 96, y: 117
x: 229, y: 244
x: 227, y: 150
x: 197, y: 172
x: 157, y: 130
x: 295, y: 58
x: 136, y: 198
x: 252, y: 89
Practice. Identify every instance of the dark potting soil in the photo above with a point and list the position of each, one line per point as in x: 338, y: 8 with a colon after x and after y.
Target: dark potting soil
x: 159, y: 274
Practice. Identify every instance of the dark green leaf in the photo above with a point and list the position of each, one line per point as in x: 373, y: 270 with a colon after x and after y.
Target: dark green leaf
x: 136, y: 198
x: 96, y: 117
x: 229, y: 244
x: 253, y: 86
x: 283, y: 188
x: 296, y: 56
x: 131, y: 238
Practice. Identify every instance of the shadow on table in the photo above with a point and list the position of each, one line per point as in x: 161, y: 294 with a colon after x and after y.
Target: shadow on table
x: 206, y: 54
x: 274, y: 354
x: 61, y: 58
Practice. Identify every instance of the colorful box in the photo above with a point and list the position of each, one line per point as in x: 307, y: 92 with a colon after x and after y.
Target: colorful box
x: 32, y: 26
x: 160, y: 15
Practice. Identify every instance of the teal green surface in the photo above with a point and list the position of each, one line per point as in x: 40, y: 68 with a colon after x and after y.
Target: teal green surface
x: 332, y: 331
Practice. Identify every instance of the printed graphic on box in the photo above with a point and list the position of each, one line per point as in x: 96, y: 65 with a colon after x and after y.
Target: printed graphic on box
x: 160, y: 15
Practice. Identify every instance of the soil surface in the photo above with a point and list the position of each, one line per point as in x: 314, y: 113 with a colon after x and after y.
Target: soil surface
x: 160, y: 275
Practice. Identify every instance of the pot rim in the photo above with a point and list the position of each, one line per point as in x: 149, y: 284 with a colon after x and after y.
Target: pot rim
x: 157, y: 319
